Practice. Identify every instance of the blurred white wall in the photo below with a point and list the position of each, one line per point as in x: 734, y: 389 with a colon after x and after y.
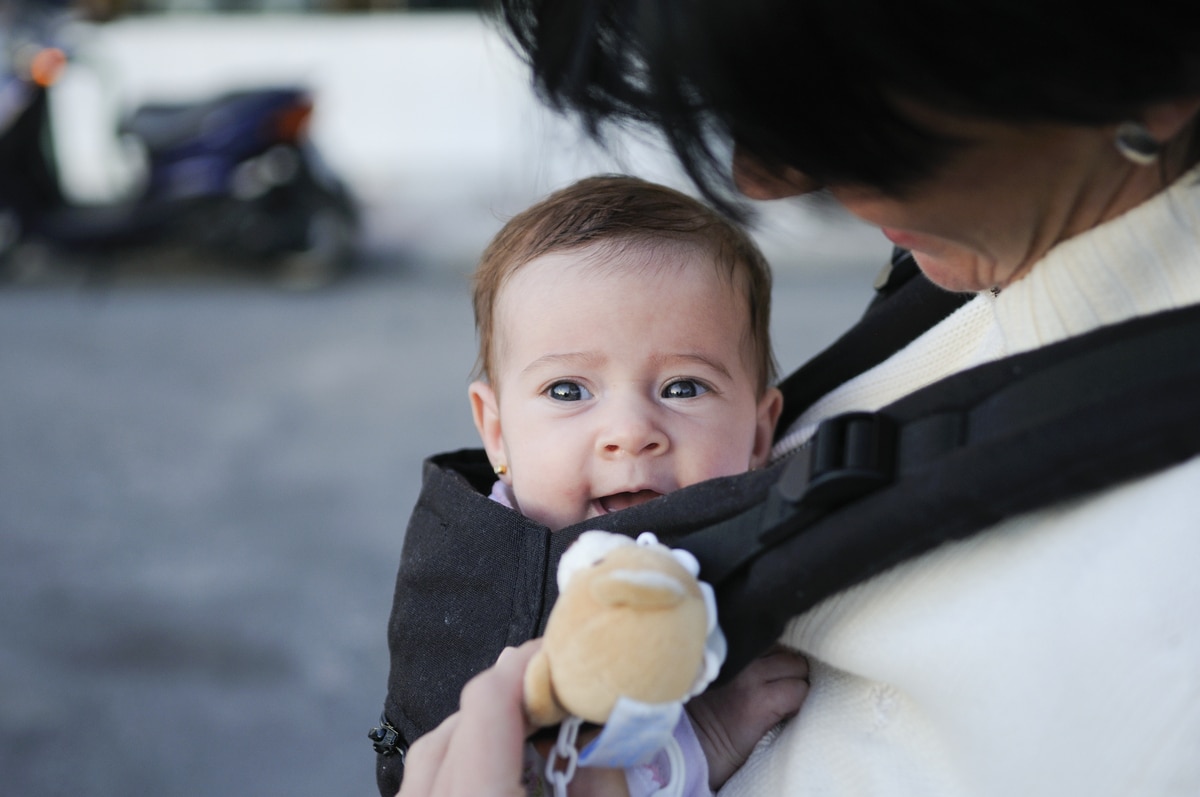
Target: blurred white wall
x: 429, y: 117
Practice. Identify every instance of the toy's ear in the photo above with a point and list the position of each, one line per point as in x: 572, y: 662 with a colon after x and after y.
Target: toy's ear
x: 642, y: 589
x: 486, y: 411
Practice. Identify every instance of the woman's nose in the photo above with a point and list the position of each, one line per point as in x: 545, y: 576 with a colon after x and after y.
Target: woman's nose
x: 756, y: 181
x: 632, y: 432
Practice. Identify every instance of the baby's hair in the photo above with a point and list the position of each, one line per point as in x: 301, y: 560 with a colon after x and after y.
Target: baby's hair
x: 624, y: 211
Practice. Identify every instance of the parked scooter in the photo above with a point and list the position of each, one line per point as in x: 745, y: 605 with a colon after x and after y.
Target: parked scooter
x: 234, y: 178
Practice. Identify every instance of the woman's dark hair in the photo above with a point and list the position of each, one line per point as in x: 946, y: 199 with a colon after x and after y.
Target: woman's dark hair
x: 811, y: 84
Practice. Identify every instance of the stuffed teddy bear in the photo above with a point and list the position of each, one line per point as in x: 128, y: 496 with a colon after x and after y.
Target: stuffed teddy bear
x: 632, y: 621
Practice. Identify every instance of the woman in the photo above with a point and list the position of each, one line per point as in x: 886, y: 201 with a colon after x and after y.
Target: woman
x: 1042, y: 156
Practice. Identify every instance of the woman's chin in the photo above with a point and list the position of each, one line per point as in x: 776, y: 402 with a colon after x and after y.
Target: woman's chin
x: 959, y: 272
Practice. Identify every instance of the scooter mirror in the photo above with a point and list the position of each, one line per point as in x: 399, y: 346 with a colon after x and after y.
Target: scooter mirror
x: 47, y: 66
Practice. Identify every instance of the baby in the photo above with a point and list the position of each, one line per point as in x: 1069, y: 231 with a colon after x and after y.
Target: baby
x: 623, y: 354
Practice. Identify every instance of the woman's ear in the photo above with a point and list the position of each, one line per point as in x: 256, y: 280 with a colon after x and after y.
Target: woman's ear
x: 755, y: 180
x: 1167, y: 119
x: 769, y: 408
x: 486, y: 412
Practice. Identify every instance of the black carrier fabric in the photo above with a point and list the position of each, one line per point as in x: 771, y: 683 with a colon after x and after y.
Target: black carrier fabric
x: 476, y: 577
x: 868, y: 491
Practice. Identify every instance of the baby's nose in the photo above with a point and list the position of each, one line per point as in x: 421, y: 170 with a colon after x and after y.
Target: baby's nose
x: 633, y: 432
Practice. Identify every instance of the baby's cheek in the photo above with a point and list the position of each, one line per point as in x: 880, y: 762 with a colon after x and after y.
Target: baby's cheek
x: 552, y: 503
x: 551, y: 479
x: 726, y: 460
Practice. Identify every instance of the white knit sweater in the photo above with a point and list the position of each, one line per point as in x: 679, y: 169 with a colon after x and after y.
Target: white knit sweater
x: 1055, y: 654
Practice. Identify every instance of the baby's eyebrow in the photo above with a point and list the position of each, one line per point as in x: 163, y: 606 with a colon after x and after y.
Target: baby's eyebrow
x: 688, y: 357
x: 579, y: 359
x: 594, y: 359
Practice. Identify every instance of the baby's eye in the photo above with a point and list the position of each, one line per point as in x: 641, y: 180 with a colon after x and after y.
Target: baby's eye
x: 683, y: 388
x: 568, y: 391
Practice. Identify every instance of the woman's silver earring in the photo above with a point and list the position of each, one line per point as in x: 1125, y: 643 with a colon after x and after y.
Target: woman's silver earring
x: 500, y: 469
x: 1136, y: 144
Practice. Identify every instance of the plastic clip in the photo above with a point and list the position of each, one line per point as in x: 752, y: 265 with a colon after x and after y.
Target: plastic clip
x: 386, y: 739
x: 849, y: 456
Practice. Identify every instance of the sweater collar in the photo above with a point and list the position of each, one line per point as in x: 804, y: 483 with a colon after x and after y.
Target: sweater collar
x: 1142, y: 262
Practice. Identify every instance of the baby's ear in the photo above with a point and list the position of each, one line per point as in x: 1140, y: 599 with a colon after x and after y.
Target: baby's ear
x: 769, y: 408
x: 486, y: 412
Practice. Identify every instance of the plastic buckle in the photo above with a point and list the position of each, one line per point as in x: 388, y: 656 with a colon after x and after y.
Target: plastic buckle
x: 386, y: 739
x: 849, y: 456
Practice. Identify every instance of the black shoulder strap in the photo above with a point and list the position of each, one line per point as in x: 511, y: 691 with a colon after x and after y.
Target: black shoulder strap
x: 870, y: 490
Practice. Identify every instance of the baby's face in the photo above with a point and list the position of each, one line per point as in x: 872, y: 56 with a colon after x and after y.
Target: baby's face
x: 619, y: 382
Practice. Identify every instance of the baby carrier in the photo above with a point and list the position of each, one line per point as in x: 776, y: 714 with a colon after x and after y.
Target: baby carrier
x: 867, y: 491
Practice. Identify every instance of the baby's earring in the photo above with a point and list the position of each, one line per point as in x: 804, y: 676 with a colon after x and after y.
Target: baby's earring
x: 500, y: 469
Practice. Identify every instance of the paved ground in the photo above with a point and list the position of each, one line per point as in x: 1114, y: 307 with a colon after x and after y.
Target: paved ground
x: 203, y: 489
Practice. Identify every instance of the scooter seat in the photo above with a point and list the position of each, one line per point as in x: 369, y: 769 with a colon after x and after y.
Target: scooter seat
x: 163, y: 126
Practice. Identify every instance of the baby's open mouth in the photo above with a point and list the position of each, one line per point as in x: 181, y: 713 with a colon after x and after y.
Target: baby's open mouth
x: 617, y: 501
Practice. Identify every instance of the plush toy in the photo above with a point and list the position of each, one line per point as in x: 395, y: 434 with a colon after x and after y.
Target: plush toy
x: 631, y: 622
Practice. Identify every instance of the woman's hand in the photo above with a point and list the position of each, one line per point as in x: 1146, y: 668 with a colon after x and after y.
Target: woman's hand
x: 477, y: 751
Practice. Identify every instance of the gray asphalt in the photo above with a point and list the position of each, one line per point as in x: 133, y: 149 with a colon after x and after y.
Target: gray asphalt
x: 203, y: 490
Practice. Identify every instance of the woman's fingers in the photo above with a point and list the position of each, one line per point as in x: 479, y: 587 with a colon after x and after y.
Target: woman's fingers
x: 478, y: 750
x: 492, y: 724
x: 425, y: 758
